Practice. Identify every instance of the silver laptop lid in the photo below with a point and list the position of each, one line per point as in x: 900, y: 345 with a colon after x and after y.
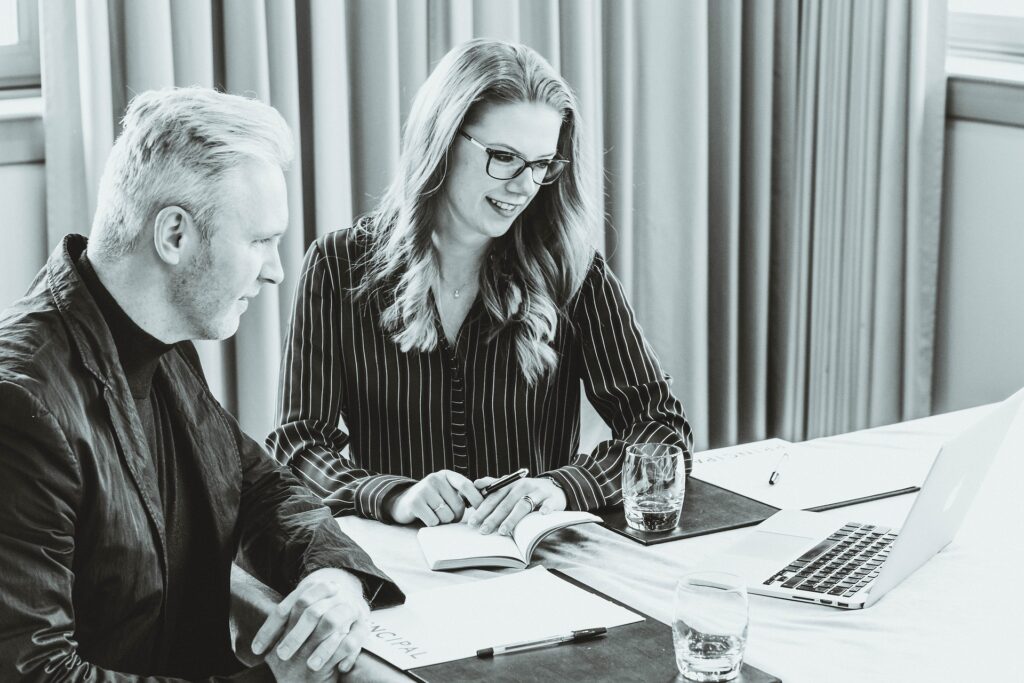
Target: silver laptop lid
x: 946, y: 495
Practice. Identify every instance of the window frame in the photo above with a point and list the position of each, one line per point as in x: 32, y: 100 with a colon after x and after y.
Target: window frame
x: 990, y: 36
x: 19, y: 63
x: 985, y: 65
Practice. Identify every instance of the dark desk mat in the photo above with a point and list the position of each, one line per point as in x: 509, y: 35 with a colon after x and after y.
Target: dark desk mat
x: 706, y: 509
x: 640, y: 652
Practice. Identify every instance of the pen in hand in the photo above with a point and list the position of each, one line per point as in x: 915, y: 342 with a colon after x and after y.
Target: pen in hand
x: 778, y: 469
x: 574, y: 637
x: 501, y: 483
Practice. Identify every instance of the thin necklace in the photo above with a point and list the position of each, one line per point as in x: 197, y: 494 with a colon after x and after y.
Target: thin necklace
x: 457, y: 291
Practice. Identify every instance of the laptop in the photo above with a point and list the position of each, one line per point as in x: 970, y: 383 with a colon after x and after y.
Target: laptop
x: 806, y: 556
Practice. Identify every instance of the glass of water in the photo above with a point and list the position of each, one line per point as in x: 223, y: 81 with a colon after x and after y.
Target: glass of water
x: 653, y: 484
x: 709, y: 626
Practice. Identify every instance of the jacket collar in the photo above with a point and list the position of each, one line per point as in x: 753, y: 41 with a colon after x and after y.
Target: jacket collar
x: 95, y: 345
x: 82, y: 316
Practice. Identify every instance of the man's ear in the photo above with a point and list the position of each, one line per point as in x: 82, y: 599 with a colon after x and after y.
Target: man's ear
x: 174, y: 234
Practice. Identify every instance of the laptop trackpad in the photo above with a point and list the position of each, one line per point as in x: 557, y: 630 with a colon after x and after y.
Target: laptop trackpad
x: 770, y: 545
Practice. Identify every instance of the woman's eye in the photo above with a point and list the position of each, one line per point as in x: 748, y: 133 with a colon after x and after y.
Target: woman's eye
x: 503, y: 157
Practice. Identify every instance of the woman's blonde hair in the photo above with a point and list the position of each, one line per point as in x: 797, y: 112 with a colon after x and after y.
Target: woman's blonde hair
x: 532, y: 271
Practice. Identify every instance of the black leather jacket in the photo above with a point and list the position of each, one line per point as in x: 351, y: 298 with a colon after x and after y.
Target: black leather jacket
x: 82, y: 565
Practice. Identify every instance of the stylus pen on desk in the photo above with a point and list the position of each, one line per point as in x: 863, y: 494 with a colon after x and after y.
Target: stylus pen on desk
x: 778, y: 469
x: 501, y: 483
x: 574, y: 637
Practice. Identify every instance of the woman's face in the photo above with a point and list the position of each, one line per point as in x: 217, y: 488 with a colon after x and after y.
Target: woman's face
x: 476, y: 207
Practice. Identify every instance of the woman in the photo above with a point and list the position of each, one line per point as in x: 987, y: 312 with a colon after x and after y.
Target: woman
x: 451, y: 328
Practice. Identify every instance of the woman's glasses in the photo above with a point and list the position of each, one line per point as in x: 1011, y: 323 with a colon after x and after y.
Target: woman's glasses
x: 505, y: 165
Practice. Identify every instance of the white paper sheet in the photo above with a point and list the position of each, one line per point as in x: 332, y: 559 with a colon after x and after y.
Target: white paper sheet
x: 444, y: 624
x: 817, y: 474
x: 739, y: 451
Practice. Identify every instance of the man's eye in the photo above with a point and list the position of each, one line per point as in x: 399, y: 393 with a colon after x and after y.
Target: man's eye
x: 543, y: 164
x: 503, y: 157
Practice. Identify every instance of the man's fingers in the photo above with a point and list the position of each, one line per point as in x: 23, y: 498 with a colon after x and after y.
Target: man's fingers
x: 287, y: 615
x: 324, y: 653
x: 335, y: 628
x: 307, y: 623
x: 350, y: 649
x: 282, y: 613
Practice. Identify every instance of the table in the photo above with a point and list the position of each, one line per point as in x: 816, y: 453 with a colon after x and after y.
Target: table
x: 954, y: 619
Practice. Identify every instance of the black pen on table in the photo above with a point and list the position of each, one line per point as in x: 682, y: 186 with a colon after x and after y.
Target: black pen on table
x: 573, y: 637
x: 778, y: 469
x: 501, y: 483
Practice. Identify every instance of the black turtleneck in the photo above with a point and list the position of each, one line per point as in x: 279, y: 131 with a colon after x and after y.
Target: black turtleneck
x: 138, y: 350
x: 190, y: 546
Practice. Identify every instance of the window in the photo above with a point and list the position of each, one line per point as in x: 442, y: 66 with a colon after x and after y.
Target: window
x: 19, y: 44
x: 985, y: 61
x: 988, y: 29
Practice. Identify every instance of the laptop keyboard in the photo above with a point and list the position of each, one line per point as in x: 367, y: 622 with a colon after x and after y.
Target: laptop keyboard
x: 840, y: 565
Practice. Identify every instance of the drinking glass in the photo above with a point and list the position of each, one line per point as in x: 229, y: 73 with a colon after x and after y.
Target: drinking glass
x: 653, y: 484
x: 709, y: 626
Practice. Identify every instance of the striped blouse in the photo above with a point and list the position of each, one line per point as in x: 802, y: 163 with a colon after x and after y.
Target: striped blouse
x: 462, y: 407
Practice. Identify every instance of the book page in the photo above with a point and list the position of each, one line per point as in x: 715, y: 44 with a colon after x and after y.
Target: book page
x: 444, y: 624
x: 461, y: 541
x: 533, y: 527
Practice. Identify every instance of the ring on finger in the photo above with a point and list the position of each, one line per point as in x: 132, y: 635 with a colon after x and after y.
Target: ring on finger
x: 532, y: 503
x: 438, y: 506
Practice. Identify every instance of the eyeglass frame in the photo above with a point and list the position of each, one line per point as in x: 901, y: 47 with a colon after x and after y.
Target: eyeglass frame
x: 526, y: 164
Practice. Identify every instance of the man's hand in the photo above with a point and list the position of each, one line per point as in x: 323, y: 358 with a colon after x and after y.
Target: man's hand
x: 323, y: 620
x: 434, y: 500
x: 503, y: 509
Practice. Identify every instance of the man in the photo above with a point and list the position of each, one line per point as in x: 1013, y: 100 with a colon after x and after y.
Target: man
x: 127, y: 490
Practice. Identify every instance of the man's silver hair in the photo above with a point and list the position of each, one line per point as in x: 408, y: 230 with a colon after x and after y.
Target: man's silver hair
x: 175, y: 146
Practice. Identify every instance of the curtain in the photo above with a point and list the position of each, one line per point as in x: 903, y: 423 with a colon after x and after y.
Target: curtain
x: 771, y: 170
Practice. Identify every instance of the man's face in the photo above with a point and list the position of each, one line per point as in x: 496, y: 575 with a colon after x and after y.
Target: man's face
x: 213, y: 289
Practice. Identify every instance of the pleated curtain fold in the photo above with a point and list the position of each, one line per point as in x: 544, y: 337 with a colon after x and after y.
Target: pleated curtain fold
x: 771, y: 170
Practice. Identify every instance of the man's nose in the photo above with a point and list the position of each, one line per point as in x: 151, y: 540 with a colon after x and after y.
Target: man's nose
x: 273, y: 271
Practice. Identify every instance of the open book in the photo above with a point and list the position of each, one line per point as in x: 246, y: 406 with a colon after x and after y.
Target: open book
x: 455, y: 546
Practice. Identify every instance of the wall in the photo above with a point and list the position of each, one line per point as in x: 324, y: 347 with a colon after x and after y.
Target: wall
x: 979, y: 353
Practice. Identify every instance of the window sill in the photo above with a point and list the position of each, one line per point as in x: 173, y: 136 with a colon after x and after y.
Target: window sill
x: 986, y: 90
x: 21, y: 129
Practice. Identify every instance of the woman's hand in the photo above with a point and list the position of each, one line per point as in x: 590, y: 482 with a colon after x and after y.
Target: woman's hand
x: 438, y: 498
x: 503, y: 509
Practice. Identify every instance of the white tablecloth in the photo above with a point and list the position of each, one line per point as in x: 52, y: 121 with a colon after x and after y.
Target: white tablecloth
x: 958, y: 618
